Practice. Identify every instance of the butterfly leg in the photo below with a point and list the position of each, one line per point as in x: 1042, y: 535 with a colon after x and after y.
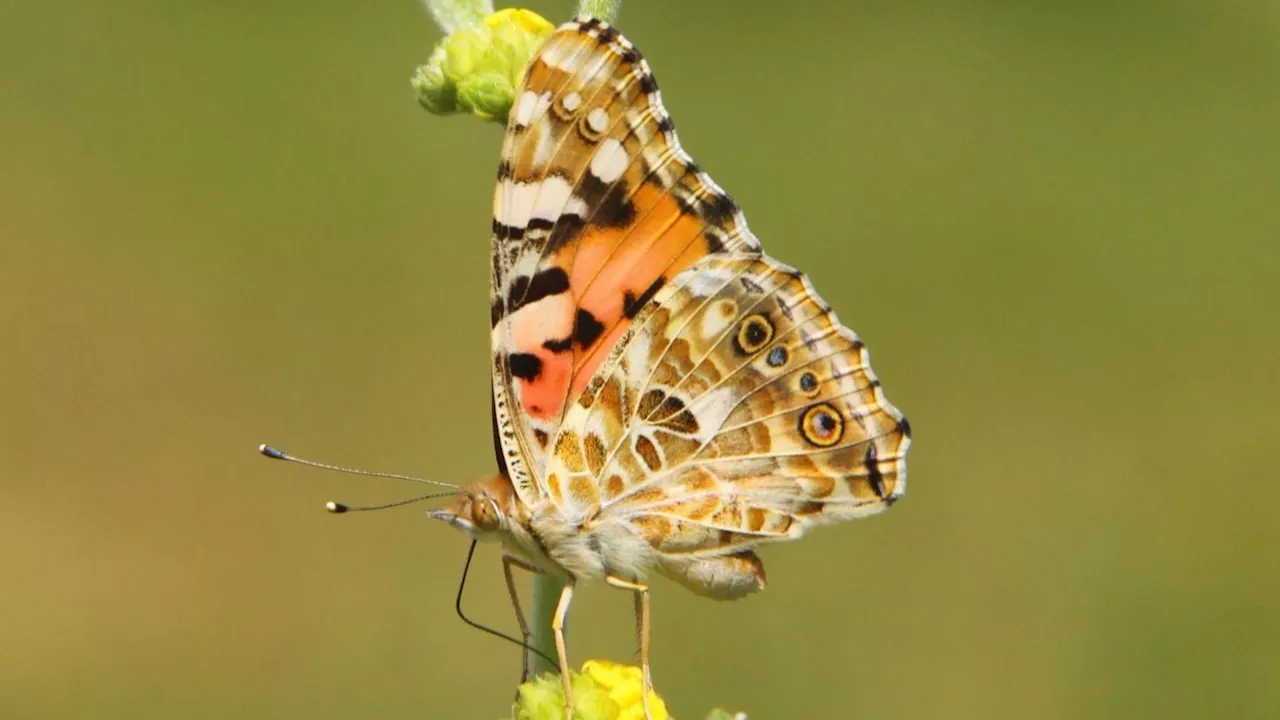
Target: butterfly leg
x: 641, y: 595
x: 509, y: 562
x: 557, y: 627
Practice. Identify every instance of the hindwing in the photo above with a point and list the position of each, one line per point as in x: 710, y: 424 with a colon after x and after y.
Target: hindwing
x: 735, y: 409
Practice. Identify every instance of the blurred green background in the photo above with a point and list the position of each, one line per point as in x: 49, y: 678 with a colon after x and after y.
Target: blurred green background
x: 1055, y: 224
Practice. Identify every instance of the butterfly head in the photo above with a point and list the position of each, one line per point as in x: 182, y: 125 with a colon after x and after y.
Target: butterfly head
x: 479, y: 509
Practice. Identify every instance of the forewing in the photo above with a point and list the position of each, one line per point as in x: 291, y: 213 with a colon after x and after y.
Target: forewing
x: 596, y: 209
x: 736, y: 409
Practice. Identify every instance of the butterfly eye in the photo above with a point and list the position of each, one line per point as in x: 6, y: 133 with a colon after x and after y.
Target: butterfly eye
x: 822, y: 425
x: 754, y: 333
x: 484, y: 514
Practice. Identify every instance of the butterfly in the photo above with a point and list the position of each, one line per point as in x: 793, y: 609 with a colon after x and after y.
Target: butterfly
x: 666, y: 397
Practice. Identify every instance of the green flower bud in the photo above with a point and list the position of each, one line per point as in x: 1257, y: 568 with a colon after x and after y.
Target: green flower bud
x: 543, y: 699
x: 435, y: 92
x: 477, y: 68
x: 488, y: 95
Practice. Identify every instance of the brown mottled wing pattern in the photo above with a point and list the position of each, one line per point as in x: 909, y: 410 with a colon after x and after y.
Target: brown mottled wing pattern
x: 596, y: 209
x: 734, y: 410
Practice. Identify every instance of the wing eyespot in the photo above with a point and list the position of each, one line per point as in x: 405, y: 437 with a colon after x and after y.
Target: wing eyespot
x: 753, y: 334
x: 822, y: 425
x: 808, y: 383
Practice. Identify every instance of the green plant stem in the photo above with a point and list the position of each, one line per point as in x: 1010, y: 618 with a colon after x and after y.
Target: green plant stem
x: 546, y: 595
x: 606, y: 10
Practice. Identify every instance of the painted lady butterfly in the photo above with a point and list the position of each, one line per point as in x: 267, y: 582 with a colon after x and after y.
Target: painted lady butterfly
x: 666, y: 397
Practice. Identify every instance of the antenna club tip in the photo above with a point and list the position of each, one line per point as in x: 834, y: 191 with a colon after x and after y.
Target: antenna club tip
x: 336, y: 508
x: 271, y: 452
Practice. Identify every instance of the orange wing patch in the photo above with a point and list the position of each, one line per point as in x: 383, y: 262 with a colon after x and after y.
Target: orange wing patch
x: 618, y: 271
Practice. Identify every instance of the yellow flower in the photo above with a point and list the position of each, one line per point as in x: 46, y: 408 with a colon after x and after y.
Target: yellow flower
x: 527, y: 20
x: 624, y: 684
x: 602, y: 691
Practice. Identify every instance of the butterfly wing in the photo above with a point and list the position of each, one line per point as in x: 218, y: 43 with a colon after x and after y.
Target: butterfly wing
x: 735, y: 410
x: 596, y: 209
x: 706, y: 395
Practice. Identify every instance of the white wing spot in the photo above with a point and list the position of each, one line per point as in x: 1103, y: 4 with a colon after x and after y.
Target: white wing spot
x: 598, y: 120
x: 572, y: 101
x: 704, y: 282
x: 516, y: 202
x: 513, y: 202
x: 531, y: 104
x: 552, y: 54
x: 610, y: 161
x: 553, y: 194
x: 524, y: 108
x: 548, y: 143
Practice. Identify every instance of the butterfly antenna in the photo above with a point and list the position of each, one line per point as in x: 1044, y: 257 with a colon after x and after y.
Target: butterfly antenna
x: 462, y: 584
x: 339, y: 508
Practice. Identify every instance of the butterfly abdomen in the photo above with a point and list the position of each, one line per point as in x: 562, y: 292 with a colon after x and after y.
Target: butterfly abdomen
x: 594, y: 548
